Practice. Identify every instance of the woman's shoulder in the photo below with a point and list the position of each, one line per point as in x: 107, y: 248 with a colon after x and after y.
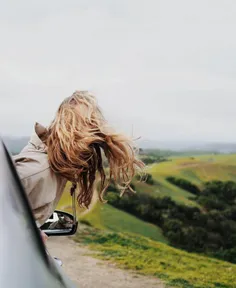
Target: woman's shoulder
x: 29, y: 163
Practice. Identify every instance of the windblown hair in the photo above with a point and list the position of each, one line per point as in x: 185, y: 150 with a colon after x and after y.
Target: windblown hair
x: 78, y: 138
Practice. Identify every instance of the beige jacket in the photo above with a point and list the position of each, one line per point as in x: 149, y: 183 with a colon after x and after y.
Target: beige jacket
x: 42, y: 186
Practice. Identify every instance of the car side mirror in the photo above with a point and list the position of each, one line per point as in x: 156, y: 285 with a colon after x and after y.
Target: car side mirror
x: 60, y: 224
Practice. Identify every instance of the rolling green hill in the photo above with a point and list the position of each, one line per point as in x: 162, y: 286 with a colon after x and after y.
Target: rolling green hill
x: 104, y: 216
x: 136, y: 244
x: 199, y: 169
x: 195, y: 169
x: 112, y: 219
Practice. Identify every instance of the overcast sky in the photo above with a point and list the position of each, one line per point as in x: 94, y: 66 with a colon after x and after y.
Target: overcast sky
x: 167, y: 67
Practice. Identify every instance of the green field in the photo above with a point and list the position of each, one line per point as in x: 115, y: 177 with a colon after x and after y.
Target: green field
x: 109, y: 218
x: 198, y: 169
x: 177, y: 268
x: 195, y: 169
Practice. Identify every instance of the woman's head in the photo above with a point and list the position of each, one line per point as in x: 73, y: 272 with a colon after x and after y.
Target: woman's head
x: 77, y: 140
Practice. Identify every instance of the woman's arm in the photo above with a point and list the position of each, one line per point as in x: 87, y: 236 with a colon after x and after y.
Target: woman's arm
x: 44, y: 236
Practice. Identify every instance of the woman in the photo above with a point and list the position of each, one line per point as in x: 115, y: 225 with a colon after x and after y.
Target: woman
x: 71, y: 149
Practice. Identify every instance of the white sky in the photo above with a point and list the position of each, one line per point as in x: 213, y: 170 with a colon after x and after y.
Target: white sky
x: 167, y: 67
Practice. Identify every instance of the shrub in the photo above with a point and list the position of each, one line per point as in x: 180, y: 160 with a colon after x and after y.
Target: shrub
x: 184, y: 184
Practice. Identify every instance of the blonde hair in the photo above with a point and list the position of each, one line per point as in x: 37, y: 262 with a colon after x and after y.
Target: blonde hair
x: 78, y: 138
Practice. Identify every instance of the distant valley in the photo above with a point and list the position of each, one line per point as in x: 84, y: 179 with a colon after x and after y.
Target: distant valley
x: 15, y: 144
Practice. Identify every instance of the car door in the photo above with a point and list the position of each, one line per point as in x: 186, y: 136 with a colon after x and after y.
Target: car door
x: 24, y: 262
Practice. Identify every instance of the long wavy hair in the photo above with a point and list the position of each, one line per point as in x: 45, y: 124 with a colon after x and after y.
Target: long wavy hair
x: 79, y: 138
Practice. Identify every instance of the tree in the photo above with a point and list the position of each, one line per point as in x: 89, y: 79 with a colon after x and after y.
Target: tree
x: 184, y: 184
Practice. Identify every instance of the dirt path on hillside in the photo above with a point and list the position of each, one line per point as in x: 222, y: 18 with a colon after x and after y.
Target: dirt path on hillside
x: 88, y: 272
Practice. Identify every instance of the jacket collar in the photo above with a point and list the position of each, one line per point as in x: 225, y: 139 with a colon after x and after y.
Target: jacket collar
x: 37, y: 136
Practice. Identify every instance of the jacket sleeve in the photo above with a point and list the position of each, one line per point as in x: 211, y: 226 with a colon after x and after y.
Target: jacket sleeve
x: 23, y: 168
x: 37, y: 184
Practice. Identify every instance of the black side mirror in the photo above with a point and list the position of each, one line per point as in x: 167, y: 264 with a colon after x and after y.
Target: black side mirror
x: 60, y: 224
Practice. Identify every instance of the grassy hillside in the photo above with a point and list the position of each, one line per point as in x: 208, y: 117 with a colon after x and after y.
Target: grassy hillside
x: 195, y: 169
x: 135, y: 244
x: 109, y: 218
x: 176, y: 267
x: 199, y: 169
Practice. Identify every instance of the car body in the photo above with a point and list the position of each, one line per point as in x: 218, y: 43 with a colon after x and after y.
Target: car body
x: 24, y: 262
